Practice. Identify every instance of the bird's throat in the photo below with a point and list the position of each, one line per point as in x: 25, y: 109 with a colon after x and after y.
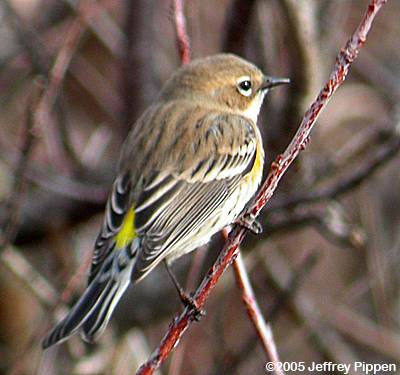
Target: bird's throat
x: 254, y: 109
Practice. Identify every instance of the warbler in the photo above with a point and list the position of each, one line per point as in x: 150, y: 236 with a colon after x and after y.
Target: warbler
x: 187, y: 169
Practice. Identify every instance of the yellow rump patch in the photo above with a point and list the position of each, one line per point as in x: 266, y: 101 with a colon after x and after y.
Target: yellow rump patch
x: 127, y: 233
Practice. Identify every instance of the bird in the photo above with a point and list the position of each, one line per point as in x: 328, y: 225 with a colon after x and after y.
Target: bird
x: 187, y: 169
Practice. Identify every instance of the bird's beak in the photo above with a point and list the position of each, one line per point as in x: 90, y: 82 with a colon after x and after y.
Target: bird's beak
x: 271, y: 82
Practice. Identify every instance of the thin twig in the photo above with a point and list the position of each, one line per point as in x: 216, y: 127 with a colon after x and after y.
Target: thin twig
x: 278, y: 168
x: 284, y: 296
x: 43, y: 118
x: 263, y: 329
x: 98, y: 86
x: 182, y: 37
x: 27, y: 38
x: 62, y: 62
x: 96, y: 17
x: 14, y: 202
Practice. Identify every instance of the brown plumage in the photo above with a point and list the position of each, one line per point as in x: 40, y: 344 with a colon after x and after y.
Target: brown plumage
x: 188, y: 168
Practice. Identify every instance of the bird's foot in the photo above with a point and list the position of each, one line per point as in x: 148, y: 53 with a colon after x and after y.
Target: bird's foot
x: 189, y: 302
x: 249, y: 222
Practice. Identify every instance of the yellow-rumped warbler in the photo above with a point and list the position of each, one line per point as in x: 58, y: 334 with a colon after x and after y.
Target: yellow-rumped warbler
x: 187, y: 169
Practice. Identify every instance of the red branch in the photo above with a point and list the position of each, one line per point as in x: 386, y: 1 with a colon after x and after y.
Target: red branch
x: 344, y: 59
x: 182, y: 37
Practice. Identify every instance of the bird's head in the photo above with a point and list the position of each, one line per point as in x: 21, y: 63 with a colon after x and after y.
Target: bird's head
x: 223, y: 80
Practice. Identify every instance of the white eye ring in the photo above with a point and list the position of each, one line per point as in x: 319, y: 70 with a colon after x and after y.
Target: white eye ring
x: 244, y: 86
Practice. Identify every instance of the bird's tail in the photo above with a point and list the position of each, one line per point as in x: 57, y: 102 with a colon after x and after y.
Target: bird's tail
x: 93, y: 310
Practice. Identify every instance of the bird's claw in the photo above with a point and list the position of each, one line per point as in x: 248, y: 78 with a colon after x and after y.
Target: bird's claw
x: 249, y: 222
x: 190, y: 303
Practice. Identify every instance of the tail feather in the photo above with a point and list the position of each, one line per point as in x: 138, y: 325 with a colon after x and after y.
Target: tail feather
x: 94, y: 309
x: 97, y: 321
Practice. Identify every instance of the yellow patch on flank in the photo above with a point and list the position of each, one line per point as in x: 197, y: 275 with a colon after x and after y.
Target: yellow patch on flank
x: 258, y: 163
x: 254, y: 176
x: 127, y: 231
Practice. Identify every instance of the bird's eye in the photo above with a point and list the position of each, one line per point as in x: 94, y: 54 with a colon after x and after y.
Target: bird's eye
x: 244, y: 86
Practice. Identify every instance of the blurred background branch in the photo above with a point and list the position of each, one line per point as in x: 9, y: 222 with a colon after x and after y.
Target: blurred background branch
x: 12, y: 206
x: 102, y: 62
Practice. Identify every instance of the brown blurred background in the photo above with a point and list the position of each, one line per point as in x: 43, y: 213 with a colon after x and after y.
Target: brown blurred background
x: 74, y: 76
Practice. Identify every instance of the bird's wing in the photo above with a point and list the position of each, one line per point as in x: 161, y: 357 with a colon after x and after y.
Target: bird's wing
x: 195, y: 181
